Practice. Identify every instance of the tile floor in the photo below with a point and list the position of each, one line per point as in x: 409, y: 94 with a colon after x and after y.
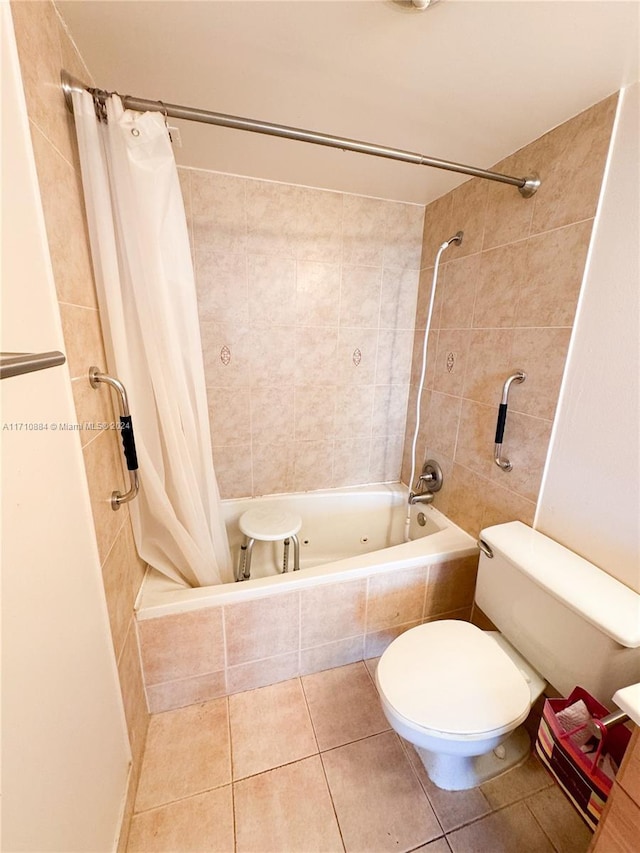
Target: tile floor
x: 310, y: 764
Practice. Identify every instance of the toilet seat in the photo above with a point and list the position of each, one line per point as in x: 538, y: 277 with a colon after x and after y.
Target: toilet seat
x: 450, y: 680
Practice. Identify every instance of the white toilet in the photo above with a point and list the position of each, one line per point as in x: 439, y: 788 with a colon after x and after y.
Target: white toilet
x: 460, y: 694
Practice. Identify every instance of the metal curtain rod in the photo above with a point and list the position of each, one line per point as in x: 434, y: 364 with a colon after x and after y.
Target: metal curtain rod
x: 526, y: 186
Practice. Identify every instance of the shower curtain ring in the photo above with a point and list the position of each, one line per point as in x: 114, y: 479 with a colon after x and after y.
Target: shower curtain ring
x: 165, y: 114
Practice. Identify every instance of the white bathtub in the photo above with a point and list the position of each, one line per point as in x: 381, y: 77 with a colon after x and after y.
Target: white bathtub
x: 345, y: 534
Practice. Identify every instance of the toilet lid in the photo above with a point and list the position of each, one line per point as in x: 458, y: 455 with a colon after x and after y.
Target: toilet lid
x: 449, y: 677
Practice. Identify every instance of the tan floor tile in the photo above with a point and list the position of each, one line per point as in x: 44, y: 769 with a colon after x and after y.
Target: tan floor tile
x: 372, y: 664
x: 453, y: 808
x: 378, y: 800
x: 287, y: 810
x: 438, y: 846
x: 517, y: 783
x: 203, y: 822
x: 559, y: 820
x: 269, y: 727
x: 344, y: 705
x: 187, y: 752
x: 511, y: 830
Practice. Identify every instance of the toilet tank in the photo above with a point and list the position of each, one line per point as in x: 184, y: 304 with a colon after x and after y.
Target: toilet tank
x: 575, y: 624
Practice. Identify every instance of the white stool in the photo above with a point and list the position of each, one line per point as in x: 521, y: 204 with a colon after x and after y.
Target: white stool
x: 269, y: 524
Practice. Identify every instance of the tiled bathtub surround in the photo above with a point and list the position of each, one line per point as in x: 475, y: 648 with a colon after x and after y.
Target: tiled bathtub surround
x: 307, y: 307
x: 505, y: 301
x: 207, y: 653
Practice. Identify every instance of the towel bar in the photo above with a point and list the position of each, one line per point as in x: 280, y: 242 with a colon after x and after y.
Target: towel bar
x: 17, y: 363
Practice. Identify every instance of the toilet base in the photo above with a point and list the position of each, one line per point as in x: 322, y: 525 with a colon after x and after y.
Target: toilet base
x: 460, y: 772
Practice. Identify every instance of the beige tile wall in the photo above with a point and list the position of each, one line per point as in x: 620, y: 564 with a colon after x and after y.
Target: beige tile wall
x: 505, y: 301
x: 44, y: 48
x: 223, y: 649
x: 307, y: 306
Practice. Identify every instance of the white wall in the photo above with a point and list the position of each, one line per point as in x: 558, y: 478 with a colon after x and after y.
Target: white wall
x: 590, y: 498
x: 65, y: 753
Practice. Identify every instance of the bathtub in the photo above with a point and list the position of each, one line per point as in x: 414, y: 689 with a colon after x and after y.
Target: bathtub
x: 359, y: 586
x: 345, y: 533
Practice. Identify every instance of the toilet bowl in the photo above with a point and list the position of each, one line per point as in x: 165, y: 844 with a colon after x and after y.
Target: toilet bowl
x: 459, y: 695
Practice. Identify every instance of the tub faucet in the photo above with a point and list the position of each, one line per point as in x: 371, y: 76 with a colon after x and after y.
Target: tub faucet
x: 429, y: 481
x: 424, y: 498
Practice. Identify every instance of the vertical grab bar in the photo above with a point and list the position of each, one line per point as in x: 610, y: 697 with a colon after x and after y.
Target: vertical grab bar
x: 504, y: 464
x: 126, y: 433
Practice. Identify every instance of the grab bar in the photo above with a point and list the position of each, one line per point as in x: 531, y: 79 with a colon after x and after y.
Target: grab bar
x: 17, y: 363
x: 504, y: 464
x: 126, y: 433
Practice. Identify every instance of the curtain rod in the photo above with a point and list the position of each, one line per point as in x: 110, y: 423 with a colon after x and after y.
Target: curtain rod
x: 526, y: 186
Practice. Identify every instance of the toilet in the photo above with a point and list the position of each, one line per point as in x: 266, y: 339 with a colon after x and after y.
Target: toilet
x: 460, y: 694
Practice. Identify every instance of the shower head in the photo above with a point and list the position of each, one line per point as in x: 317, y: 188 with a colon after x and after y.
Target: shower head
x: 457, y: 238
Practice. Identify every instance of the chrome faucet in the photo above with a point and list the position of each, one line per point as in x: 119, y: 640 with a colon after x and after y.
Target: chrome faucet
x: 424, y: 498
x: 429, y: 481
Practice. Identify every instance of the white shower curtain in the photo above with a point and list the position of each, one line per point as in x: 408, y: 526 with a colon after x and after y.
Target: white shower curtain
x: 148, y: 309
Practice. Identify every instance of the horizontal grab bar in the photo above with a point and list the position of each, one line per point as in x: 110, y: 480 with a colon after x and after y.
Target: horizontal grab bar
x: 17, y: 363
x: 126, y: 433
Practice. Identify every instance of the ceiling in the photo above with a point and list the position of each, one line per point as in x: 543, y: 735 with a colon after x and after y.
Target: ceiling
x: 465, y: 80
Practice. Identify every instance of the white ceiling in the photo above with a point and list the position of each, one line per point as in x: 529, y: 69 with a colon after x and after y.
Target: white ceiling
x: 466, y: 80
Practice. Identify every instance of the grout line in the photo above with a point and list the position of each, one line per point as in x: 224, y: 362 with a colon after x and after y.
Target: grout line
x: 231, y: 774
x: 540, y: 826
x: 75, y: 305
x: 138, y: 649
x: 67, y: 32
x: 45, y: 136
x: 306, y: 702
x: 405, y: 749
x: 115, y: 538
x: 333, y: 805
x: 183, y: 799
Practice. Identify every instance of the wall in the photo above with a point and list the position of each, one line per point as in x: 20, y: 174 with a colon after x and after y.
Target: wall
x: 505, y: 301
x: 307, y: 303
x: 44, y: 49
x: 65, y: 755
x: 590, y: 499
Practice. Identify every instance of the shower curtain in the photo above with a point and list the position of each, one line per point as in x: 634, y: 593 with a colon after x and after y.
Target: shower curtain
x: 147, y: 298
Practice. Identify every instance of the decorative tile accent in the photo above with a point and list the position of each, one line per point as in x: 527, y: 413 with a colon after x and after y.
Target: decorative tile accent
x: 225, y: 355
x: 357, y: 357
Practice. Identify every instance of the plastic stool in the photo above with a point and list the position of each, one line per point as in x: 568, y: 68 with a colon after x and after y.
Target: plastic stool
x: 269, y: 524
